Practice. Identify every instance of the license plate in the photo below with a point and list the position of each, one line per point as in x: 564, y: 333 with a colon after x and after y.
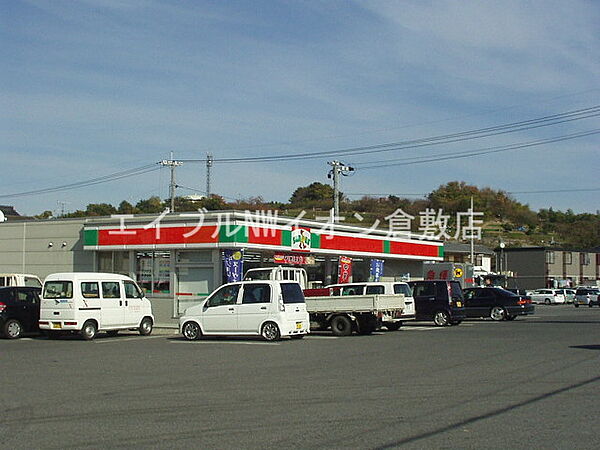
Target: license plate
x: 298, y: 325
x: 56, y: 325
x: 459, y: 304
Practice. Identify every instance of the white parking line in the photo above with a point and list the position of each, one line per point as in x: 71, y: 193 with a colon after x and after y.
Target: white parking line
x: 201, y: 342
x: 420, y: 328
x: 123, y: 339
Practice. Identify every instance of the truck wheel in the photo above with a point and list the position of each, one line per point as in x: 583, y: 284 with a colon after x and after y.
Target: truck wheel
x: 270, y: 332
x: 393, y: 326
x: 341, y: 326
x: 441, y: 319
x: 89, y: 330
x: 146, y: 326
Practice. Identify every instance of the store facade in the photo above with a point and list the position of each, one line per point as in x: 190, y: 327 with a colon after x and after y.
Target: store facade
x: 179, y: 258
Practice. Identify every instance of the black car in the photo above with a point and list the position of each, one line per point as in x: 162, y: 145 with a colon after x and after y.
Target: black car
x: 440, y: 301
x: 19, y: 310
x: 496, y: 303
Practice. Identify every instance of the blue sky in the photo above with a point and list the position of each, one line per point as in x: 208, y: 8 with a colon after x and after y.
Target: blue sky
x: 93, y: 87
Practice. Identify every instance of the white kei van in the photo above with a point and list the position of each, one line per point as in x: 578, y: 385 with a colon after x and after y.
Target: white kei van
x: 19, y: 279
x: 268, y: 308
x: 90, y: 302
x: 381, y: 287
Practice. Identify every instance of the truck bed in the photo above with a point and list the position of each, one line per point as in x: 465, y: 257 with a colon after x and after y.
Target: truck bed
x: 355, y: 303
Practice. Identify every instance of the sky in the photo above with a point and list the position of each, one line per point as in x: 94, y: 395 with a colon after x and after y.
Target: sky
x: 95, y: 87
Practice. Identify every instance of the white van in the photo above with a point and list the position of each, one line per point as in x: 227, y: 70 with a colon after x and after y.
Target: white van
x: 90, y: 302
x: 380, y: 287
x: 296, y: 274
x: 19, y: 279
x: 270, y: 309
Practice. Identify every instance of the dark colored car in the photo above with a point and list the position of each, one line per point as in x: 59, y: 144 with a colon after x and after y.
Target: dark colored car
x: 440, y: 301
x: 521, y: 292
x: 496, y: 303
x: 19, y: 310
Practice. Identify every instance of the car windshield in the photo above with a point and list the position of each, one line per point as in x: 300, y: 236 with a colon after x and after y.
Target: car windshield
x: 403, y: 289
x: 58, y: 289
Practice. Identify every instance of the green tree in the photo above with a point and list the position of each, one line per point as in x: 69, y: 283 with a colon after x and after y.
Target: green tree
x: 100, y: 209
x: 151, y: 205
x: 45, y: 215
x: 314, y: 194
x: 126, y: 208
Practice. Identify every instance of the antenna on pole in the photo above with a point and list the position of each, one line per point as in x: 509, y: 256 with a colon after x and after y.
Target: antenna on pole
x: 337, y: 168
x: 209, y: 163
x: 172, y: 164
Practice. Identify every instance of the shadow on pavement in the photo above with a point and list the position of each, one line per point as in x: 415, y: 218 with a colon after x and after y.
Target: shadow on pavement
x: 586, y: 347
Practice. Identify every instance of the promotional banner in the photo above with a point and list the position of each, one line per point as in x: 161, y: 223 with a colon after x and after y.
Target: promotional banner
x: 344, y: 269
x: 376, y: 269
x: 281, y: 258
x: 234, y: 265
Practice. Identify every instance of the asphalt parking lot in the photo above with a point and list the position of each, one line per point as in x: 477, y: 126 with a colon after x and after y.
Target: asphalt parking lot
x: 531, y: 383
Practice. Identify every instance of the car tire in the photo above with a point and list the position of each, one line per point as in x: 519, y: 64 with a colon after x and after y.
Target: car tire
x: 191, y: 331
x: 112, y: 333
x: 393, y: 326
x: 441, y: 319
x: 341, y: 326
x: 590, y: 304
x: 145, y: 326
x: 270, y: 332
x: 576, y: 305
x: 12, y: 329
x: 89, y: 330
x: 547, y: 301
x: 498, y: 313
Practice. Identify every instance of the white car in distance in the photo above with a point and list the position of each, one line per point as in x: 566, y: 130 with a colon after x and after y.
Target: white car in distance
x: 548, y: 296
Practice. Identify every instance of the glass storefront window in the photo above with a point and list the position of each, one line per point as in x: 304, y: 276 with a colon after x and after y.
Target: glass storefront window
x: 114, y: 262
x: 153, y: 272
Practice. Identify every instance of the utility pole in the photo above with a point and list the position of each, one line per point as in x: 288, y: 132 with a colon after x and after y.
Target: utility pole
x: 209, y: 163
x: 472, y: 245
x: 172, y: 164
x: 337, y: 168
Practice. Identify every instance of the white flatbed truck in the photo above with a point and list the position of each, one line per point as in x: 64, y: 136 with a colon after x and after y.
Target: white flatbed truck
x: 351, y: 313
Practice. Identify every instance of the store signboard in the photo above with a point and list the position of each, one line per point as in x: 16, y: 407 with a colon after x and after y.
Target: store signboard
x: 301, y: 239
x: 299, y: 260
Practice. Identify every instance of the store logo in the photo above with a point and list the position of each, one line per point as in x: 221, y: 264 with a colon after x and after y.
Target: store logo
x: 301, y: 239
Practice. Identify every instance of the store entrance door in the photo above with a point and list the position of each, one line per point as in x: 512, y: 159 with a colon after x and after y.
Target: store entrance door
x: 193, y: 286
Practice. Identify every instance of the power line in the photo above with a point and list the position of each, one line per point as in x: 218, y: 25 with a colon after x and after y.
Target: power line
x: 94, y: 181
x: 470, y: 153
x: 549, y: 191
x: 480, y: 133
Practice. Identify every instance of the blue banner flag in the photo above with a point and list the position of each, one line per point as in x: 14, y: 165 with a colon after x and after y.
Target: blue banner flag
x: 376, y: 269
x: 234, y: 265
